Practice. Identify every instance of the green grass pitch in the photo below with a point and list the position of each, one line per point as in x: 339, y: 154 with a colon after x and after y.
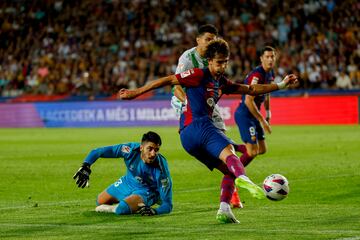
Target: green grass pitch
x: 39, y: 199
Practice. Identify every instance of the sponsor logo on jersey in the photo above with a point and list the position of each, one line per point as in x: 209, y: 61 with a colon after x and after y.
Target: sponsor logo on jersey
x: 165, y: 182
x: 185, y: 74
x: 210, y: 102
x: 255, y: 80
x: 125, y: 149
x: 209, y: 89
x: 139, y: 179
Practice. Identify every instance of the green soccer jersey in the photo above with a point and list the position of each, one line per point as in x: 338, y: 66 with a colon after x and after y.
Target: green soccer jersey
x: 190, y: 59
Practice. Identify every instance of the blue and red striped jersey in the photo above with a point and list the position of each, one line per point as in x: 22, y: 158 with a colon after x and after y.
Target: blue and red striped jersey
x: 258, y: 76
x: 202, y: 93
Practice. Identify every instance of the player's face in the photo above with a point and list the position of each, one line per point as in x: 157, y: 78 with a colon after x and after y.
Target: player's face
x: 268, y: 60
x: 203, y: 41
x: 149, y: 151
x: 218, y: 64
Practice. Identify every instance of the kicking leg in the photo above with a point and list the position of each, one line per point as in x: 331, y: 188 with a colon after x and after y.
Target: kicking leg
x: 237, y: 168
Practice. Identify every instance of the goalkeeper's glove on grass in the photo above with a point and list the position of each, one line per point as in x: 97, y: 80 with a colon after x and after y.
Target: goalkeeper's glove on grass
x: 82, y: 175
x: 147, y: 211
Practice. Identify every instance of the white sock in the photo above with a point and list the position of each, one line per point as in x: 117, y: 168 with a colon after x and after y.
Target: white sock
x: 224, y: 206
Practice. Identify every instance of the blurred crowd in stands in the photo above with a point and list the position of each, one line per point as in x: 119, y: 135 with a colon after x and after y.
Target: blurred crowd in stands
x: 96, y: 47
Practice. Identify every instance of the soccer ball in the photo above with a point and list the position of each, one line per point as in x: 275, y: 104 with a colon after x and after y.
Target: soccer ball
x: 276, y: 187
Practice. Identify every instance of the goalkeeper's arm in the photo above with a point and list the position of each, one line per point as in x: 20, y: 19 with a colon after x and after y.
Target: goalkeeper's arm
x: 82, y: 175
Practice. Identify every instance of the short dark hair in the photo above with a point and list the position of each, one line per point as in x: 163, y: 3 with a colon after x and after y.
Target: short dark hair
x: 151, y: 137
x: 217, y: 47
x: 267, y: 48
x: 207, y: 28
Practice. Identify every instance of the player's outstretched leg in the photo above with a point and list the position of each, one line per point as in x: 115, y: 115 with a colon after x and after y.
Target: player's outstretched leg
x: 244, y: 182
x: 225, y: 215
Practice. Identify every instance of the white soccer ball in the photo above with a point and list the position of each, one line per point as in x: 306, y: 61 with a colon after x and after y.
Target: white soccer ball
x: 276, y: 187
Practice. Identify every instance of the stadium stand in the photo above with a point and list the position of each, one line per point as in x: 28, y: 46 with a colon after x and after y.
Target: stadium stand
x: 79, y: 50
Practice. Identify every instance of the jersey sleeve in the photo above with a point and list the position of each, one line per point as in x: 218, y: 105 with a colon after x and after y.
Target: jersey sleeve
x: 190, y: 78
x: 255, y: 78
x: 183, y: 64
x: 116, y: 151
x: 164, y: 185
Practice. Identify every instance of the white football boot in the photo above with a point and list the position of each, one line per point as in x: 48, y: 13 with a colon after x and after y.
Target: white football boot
x: 106, y: 208
x: 225, y: 215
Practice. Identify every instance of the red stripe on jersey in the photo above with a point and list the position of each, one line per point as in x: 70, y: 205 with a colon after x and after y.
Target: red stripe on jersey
x: 190, y: 78
x: 188, y: 117
x: 255, y: 77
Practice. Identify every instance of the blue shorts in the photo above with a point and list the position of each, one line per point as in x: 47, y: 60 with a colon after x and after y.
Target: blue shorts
x: 204, y: 141
x: 121, y: 190
x: 250, y: 128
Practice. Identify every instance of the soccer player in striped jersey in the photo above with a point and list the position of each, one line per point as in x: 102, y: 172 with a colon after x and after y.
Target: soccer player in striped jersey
x: 248, y: 118
x: 194, y: 58
x: 199, y: 137
x: 146, y: 182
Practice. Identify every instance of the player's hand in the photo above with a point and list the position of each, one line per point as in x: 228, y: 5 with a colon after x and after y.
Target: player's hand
x: 147, y: 211
x: 265, y: 124
x: 268, y: 116
x: 127, y: 94
x: 82, y: 175
x: 268, y: 120
x: 289, y: 80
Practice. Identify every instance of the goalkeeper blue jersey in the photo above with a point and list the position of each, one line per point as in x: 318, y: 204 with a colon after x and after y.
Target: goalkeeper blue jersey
x: 155, y: 178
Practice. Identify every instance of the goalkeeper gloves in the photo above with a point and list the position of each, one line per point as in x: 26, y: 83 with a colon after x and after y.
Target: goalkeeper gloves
x: 82, y: 175
x: 147, y: 211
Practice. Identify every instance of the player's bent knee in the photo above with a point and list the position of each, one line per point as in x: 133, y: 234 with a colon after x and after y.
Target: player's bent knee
x: 122, y: 208
x: 105, y: 198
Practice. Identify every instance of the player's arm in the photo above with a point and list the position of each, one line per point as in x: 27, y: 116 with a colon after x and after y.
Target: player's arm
x: 250, y: 104
x: 165, y: 197
x: 82, y: 176
x: 158, y: 83
x: 179, y: 93
x: 267, y: 108
x: 258, y: 89
x: 165, y: 190
x: 164, y: 187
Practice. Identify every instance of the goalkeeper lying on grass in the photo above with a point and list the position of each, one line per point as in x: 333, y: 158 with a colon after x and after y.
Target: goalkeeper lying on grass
x: 146, y: 182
